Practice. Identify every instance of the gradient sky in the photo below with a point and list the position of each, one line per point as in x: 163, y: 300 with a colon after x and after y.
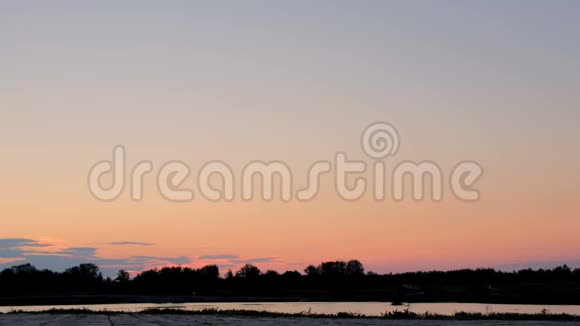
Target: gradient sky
x: 491, y: 81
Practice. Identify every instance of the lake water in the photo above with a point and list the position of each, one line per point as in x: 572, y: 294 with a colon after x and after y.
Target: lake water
x: 365, y: 308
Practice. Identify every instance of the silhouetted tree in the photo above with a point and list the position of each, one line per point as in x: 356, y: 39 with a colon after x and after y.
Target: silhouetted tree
x: 312, y: 271
x: 123, y: 276
x: 272, y: 274
x: 249, y: 272
x: 354, y: 268
x: 84, y: 275
x: 210, y: 272
x: 291, y: 275
x: 24, y: 269
x: 334, y: 280
x: 333, y: 269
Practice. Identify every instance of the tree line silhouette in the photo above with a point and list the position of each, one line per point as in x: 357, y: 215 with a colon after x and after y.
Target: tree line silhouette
x: 331, y: 281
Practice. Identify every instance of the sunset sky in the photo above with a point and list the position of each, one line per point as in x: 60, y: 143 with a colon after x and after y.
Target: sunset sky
x: 495, y: 82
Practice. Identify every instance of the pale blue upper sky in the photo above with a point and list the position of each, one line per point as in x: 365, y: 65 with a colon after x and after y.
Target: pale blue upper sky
x: 497, y: 82
x: 501, y: 58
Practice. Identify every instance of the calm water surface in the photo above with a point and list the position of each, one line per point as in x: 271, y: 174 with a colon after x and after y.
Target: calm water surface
x: 365, y: 308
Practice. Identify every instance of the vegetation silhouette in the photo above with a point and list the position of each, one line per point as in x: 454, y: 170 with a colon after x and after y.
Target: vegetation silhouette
x: 329, y: 281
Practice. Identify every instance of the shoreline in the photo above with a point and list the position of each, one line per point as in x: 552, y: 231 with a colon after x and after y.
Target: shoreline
x: 96, y: 299
x: 404, y: 314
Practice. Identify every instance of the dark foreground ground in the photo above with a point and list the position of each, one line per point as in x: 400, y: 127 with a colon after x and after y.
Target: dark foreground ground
x: 182, y: 320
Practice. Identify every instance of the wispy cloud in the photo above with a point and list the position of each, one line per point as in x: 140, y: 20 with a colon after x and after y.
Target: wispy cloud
x: 21, y: 251
x: 9, y: 243
x: 11, y: 253
x: 79, y: 251
x: 58, y: 257
x: 222, y: 256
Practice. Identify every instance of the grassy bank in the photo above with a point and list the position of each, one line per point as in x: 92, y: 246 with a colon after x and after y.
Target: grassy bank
x: 390, y: 315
